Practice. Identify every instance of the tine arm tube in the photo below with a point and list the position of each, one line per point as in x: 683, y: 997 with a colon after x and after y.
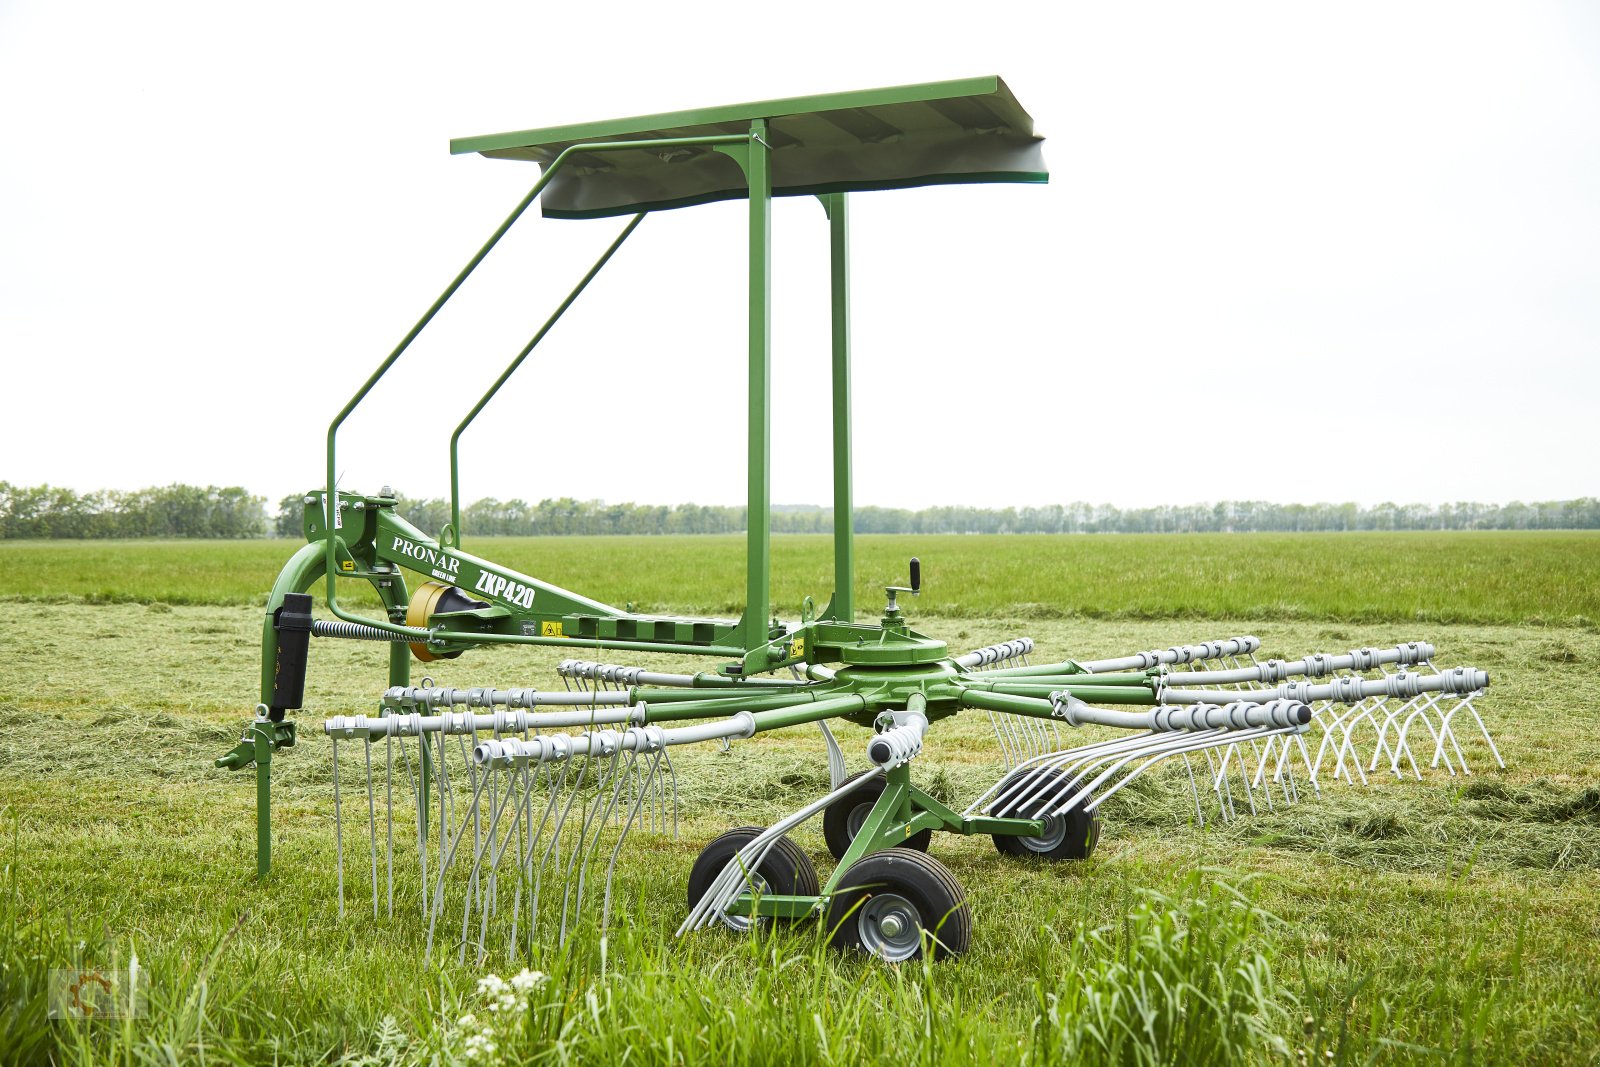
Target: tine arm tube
x: 1459, y: 680
x: 1316, y: 665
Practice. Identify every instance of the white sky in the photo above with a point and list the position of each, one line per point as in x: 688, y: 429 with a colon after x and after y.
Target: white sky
x: 1349, y: 251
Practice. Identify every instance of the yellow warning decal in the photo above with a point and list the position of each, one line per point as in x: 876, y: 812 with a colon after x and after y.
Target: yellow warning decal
x: 797, y: 648
x: 550, y: 629
x: 347, y: 564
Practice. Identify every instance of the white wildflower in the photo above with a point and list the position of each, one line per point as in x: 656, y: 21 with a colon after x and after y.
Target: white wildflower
x: 527, y: 981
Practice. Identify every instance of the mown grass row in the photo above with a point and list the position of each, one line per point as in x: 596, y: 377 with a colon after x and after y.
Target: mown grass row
x: 1488, y: 577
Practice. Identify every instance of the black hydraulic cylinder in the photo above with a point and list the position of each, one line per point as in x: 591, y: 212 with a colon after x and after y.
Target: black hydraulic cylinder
x: 292, y: 620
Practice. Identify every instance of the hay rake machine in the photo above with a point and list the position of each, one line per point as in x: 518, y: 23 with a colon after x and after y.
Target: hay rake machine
x: 514, y: 805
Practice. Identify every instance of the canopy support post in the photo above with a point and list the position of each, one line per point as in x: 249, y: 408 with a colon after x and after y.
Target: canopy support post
x: 758, y: 523
x: 844, y: 534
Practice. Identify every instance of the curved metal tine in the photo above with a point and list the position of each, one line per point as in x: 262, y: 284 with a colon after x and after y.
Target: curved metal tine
x: 338, y: 826
x: 1412, y: 709
x: 422, y: 845
x: 1228, y: 752
x: 672, y: 785
x: 1031, y: 738
x: 388, y: 809
x: 519, y: 792
x: 1102, y: 795
x: 1029, y: 771
x: 1011, y: 739
x: 1261, y: 763
x: 737, y: 875
x: 1443, y: 733
x: 1161, y: 746
x: 1041, y: 770
x: 1367, y: 712
x: 1070, y: 783
x: 1446, y: 730
x: 619, y: 786
x: 1194, y: 791
x: 553, y: 849
x: 372, y: 824
x: 1224, y: 795
x: 1005, y: 753
x: 1283, y: 770
x: 606, y: 786
x: 1336, y: 723
x: 837, y: 771
x: 529, y: 875
x: 444, y: 865
x: 524, y: 819
x: 654, y: 767
x: 1421, y: 703
x: 480, y: 883
x: 1466, y: 702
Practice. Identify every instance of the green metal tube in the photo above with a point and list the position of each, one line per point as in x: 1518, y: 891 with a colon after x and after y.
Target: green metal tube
x: 822, y: 709
x: 1059, y: 681
x: 844, y: 531
x: 473, y: 638
x: 758, y: 473
x: 977, y: 698
x: 332, y: 501
x: 455, y: 438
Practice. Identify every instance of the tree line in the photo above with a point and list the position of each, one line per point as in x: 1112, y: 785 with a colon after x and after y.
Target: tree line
x: 232, y: 512
x: 491, y: 517
x: 165, y: 511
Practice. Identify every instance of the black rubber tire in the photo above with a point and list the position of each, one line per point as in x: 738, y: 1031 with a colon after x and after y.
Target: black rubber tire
x: 787, y: 870
x: 836, y: 828
x: 939, y: 902
x: 1072, y: 836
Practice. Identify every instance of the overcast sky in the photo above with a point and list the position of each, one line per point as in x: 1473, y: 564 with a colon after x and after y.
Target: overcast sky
x: 1287, y: 252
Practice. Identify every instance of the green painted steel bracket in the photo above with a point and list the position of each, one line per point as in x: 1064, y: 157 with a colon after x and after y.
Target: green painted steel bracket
x: 261, y: 740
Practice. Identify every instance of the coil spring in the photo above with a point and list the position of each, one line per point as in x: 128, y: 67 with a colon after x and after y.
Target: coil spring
x: 355, y: 631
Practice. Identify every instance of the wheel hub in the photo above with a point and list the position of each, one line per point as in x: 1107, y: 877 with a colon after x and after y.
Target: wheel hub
x: 1055, y: 832
x: 889, y: 927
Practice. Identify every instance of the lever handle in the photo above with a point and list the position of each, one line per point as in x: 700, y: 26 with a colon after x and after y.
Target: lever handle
x: 916, y: 576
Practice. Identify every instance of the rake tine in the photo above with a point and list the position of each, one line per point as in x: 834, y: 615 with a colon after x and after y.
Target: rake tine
x: 388, y: 812
x: 372, y: 827
x: 619, y: 783
x: 482, y: 846
x: 1093, y: 789
x: 444, y: 864
x: 338, y: 829
x: 611, y: 868
x: 1194, y: 791
x: 837, y: 771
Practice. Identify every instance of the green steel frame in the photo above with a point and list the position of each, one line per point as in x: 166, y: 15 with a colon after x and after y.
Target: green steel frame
x: 361, y: 537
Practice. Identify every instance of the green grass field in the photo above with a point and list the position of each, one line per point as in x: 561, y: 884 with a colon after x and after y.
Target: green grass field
x: 1450, y: 920
x: 1493, y: 577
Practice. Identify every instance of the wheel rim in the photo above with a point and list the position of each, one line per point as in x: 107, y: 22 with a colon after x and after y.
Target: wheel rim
x: 757, y: 886
x: 858, y: 818
x: 890, y: 927
x: 1055, y: 832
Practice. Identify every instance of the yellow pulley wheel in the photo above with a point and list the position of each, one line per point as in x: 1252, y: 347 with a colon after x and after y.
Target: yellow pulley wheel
x: 430, y: 599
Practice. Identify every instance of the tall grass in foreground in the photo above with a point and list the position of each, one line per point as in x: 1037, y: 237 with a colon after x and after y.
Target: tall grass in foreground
x: 1183, y: 979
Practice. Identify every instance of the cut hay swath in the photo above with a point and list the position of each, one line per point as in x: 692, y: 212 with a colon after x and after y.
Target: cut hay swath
x: 502, y: 812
